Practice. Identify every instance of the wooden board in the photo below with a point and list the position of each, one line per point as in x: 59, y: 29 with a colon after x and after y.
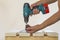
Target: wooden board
x: 40, y: 36
x: 30, y: 38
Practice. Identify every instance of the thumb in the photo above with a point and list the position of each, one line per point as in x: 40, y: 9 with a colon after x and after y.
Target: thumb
x: 32, y: 6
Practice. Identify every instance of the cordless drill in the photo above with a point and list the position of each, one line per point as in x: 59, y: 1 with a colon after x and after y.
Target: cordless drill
x: 27, y: 11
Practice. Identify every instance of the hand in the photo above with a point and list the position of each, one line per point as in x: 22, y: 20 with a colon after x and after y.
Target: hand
x: 32, y: 29
x: 35, y: 11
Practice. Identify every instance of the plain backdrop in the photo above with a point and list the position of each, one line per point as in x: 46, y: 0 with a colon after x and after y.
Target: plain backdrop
x: 11, y: 16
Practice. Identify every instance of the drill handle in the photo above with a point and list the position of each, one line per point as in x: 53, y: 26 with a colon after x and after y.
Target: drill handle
x: 35, y: 7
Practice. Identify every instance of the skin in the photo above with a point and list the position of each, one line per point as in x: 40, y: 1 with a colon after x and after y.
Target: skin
x: 53, y: 19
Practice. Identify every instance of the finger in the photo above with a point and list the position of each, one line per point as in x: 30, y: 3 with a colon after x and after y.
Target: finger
x: 28, y: 29
x: 32, y: 5
x: 27, y: 26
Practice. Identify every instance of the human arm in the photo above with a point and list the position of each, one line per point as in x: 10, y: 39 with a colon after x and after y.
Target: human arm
x: 53, y: 19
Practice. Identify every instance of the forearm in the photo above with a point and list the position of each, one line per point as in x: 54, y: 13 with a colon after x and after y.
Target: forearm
x: 48, y: 1
x: 53, y: 19
x: 45, y: 1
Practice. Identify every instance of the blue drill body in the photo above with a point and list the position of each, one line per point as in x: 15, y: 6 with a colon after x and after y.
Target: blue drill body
x: 28, y: 11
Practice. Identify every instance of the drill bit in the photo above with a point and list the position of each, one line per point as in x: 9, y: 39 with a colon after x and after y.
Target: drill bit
x: 26, y: 19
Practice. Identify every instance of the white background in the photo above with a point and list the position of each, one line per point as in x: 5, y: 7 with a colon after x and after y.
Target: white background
x: 11, y: 16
